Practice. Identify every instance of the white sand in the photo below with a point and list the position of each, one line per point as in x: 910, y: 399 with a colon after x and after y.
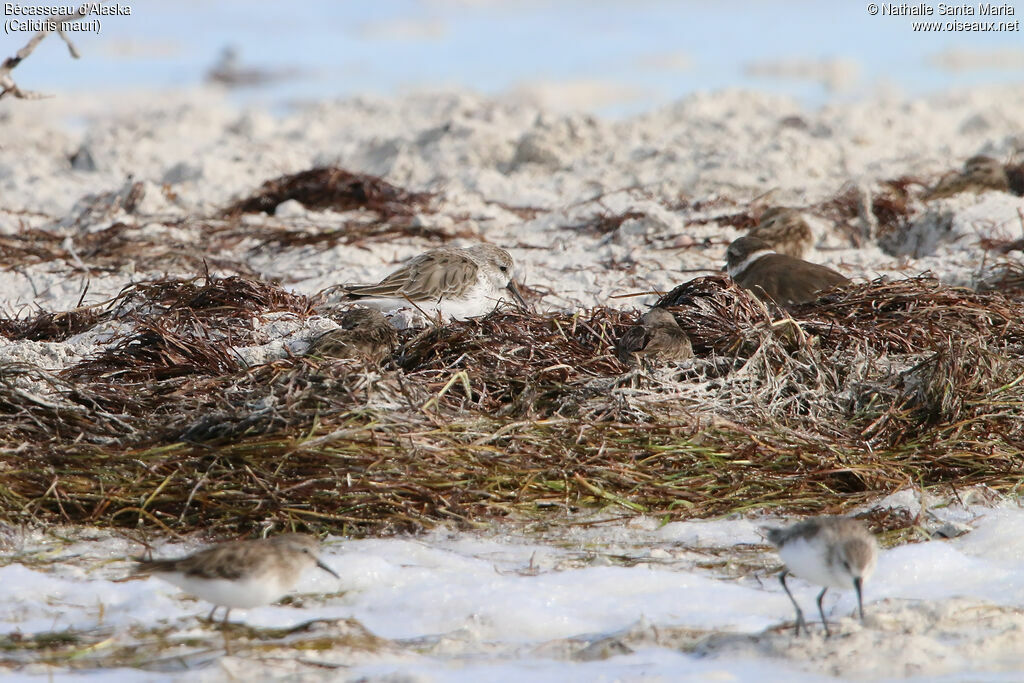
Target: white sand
x: 632, y: 601
x: 195, y: 153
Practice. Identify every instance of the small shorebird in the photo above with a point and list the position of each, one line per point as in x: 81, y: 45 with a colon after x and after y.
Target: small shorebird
x: 657, y: 337
x: 833, y: 552
x: 785, y: 280
x: 240, y: 574
x: 786, y: 230
x: 456, y: 282
x: 980, y: 173
x: 364, y: 333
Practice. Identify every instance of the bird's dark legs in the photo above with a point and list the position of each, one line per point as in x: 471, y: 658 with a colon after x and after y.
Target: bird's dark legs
x: 799, y: 613
x: 227, y: 611
x: 822, y: 612
x: 860, y: 599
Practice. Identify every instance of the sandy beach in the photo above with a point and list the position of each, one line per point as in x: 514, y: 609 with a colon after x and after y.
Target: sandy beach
x: 109, y: 193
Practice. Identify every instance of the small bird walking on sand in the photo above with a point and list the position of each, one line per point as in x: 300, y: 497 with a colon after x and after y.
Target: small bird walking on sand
x: 833, y: 552
x: 364, y: 333
x: 457, y: 283
x: 240, y: 574
x: 755, y: 265
x: 657, y: 337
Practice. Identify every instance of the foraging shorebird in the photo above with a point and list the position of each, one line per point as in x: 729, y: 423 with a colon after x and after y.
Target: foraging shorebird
x: 833, y: 552
x: 364, y: 333
x: 457, y: 283
x: 981, y: 173
x: 785, y: 280
x: 658, y: 336
x: 240, y: 574
x: 786, y: 230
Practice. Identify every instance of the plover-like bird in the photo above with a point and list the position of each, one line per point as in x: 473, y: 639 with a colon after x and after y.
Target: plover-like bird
x: 833, y: 552
x: 658, y: 336
x: 458, y: 283
x: 981, y: 173
x: 364, y: 333
x: 786, y: 230
x: 240, y: 574
x: 787, y: 281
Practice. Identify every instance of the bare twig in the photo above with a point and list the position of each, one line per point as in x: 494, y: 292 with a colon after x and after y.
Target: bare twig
x: 9, y: 87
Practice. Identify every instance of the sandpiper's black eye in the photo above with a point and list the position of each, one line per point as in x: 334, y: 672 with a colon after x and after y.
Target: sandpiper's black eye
x: 503, y: 269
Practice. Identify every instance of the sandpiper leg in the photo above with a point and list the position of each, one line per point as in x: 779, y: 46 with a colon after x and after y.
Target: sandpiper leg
x: 799, y: 612
x: 822, y: 612
x: 860, y: 598
x: 209, y: 617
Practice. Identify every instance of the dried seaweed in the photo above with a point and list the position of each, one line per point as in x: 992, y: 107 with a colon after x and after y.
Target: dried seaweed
x: 215, y: 298
x: 516, y: 362
x: 350, y: 232
x: 50, y: 327
x: 910, y: 316
x: 902, y: 316
x: 744, y: 220
x: 890, y: 204
x: 1006, y: 279
x: 111, y: 248
x: 331, y: 187
x: 715, y: 313
x: 604, y: 222
x: 154, y: 354
x: 872, y: 387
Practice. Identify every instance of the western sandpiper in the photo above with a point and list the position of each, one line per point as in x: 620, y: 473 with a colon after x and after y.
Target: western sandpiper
x: 240, y: 574
x: 833, y: 552
x: 785, y: 280
x: 364, y: 333
x: 457, y: 283
x: 658, y: 336
x: 981, y: 173
x: 786, y: 230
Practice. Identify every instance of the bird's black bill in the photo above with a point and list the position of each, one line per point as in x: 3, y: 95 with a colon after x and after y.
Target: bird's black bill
x: 514, y: 291
x: 327, y: 569
x: 860, y: 600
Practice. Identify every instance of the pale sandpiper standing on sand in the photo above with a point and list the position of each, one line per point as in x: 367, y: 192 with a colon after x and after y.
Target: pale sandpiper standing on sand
x: 833, y: 552
x: 240, y: 574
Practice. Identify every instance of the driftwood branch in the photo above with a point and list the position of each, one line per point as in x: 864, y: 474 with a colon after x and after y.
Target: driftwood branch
x: 7, y: 84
